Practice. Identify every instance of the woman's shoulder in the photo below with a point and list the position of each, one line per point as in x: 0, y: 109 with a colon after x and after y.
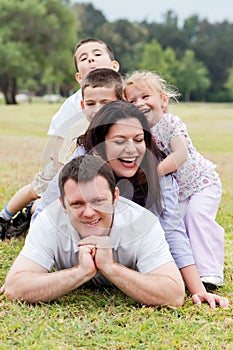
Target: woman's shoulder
x: 80, y: 151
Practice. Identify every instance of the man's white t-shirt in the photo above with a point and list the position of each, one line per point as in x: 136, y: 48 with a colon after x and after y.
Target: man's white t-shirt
x: 137, y: 238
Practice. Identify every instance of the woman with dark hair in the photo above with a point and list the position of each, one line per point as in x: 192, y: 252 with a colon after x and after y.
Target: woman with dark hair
x: 144, y: 180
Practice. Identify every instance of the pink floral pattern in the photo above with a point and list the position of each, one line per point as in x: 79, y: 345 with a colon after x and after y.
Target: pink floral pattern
x: 197, y: 172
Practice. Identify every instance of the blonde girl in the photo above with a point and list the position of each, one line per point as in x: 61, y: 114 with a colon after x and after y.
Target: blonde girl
x: 200, y: 188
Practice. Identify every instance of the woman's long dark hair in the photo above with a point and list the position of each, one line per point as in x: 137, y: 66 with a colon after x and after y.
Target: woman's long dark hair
x: 146, y: 181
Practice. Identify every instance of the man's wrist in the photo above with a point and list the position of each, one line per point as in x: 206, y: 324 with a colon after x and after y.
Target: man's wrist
x: 109, y: 270
x: 83, y: 275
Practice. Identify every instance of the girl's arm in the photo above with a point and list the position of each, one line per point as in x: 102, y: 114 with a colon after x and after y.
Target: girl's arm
x: 176, y: 158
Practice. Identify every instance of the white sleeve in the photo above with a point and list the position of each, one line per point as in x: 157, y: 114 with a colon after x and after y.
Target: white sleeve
x: 69, y: 108
x: 154, y: 250
x: 38, y: 244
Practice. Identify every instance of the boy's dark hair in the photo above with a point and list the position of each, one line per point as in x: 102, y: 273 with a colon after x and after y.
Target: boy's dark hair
x: 90, y: 40
x: 104, y: 77
x: 84, y: 169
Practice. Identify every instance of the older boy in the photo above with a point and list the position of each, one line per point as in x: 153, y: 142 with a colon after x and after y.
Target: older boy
x: 92, y: 235
x: 89, y: 54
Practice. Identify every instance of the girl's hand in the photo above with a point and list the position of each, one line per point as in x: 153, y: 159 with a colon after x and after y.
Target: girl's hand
x: 212, y: 299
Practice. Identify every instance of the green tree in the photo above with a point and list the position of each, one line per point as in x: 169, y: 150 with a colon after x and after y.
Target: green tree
x: 88, y: 20
x: 161, y: 61
x: 211, y: 43
x: 168, y: 33
x: 35, y: 35
x: 191, y: 28
x: 213, y: 46
x: 126, y: 39
x: 192, y: 76
x: 123, y: 36
x: 229, y: 83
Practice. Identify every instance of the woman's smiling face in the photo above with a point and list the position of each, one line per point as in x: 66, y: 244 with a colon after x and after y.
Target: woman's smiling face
x: 125, y: 146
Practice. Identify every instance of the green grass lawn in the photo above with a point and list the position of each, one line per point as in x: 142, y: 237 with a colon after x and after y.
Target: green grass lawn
x: 107, y: 319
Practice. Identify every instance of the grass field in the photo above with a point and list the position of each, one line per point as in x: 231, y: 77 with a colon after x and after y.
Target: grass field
x: 107, y: 319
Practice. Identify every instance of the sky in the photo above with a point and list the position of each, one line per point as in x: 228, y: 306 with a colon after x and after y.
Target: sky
x: 153, y: 10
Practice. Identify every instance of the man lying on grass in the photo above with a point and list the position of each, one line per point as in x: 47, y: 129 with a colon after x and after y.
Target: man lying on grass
x: 91, y: 235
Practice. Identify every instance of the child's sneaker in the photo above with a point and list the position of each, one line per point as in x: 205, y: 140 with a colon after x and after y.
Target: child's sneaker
x: 20, y: 222
x: 4, y: 225
x: 212, y: 282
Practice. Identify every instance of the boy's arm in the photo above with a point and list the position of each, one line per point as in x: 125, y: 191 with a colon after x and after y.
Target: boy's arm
x: 67, y: 148
x: 70, y: 141
x: 57, y: 147
x: 175, y: 159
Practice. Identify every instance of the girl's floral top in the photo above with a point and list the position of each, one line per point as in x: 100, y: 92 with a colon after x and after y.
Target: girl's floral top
x: 196, y: 172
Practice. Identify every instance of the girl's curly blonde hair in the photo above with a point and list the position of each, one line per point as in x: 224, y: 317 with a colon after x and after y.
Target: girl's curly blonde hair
x: 153, y: 82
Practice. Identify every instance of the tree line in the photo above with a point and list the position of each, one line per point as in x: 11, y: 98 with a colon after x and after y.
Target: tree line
x: 37, y: 38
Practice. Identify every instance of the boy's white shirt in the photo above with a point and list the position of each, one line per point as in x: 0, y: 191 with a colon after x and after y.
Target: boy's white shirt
x: 68, y: 109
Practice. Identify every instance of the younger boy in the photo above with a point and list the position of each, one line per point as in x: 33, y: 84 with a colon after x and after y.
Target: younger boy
x: 98, y: 88
x: 89, y: 54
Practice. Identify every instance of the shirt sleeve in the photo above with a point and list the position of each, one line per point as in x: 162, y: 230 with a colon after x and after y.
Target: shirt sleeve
x: 80, y: 151
x: 173, y: 225
x: 153, y: 250
x: 177, y: 126
x: 65, y: 115
x: 64, y: 112
x: 168, y: 127
x: 38, y: 246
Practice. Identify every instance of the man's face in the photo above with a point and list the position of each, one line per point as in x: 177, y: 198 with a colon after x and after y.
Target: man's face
x: 95, y: 98
x: 90, y: 56
x: 90, y: 206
